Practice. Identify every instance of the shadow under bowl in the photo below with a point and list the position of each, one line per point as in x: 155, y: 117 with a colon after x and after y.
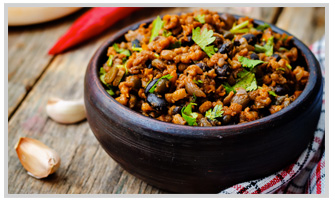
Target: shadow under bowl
x: 187, y: 159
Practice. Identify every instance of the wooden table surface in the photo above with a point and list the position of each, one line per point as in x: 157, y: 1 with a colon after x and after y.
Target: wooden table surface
x: 34, y: 76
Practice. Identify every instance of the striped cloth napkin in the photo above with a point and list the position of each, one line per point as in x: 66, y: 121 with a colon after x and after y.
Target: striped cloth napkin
x: 307, y: 174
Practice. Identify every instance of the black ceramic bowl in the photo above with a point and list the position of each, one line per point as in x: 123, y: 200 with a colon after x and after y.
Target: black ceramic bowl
x: 187, y: 159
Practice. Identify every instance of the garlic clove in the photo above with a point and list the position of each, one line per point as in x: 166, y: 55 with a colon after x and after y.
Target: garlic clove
x: 66, y: 112
x: 37, y: 158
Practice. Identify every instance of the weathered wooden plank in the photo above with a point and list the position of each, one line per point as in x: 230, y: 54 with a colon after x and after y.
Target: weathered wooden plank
x: 28, y: 57
x: 306, y: 23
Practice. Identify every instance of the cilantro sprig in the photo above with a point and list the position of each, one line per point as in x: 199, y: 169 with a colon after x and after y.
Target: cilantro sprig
x: 203, y: 39
x: 152, y: 89
x: 240, y: 28
x: 189, y: 116
x: 157, y: 25
x: 200, y: 18
x: 121, y: 51
x: 249, y: 63
x: 215, y: 113
x: 246, y: 80
x: 267, y: 48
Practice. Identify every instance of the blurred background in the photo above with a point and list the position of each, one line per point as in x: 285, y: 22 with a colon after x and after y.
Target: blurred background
x: 34, y: 76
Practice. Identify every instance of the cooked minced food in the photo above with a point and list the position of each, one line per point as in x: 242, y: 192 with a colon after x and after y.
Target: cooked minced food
x: 204, y: 69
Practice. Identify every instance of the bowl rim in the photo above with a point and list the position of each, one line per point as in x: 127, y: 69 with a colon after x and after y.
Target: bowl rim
x: 198, y: 132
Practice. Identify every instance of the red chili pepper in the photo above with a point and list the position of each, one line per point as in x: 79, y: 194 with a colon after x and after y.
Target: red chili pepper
x: 92, y: 23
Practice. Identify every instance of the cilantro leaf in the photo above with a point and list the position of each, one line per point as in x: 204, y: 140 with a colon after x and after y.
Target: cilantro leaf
x: 152, y: 89
x: 246, y: 80
x: 177, y: 44
x: 263, y: 27
x: 200, y: 18
x: 267, y: 48
x: 249, y: 63
x: 228, y: 88
x: 240, y: 28
x: 272, y: 93
x: 188, y: 115
x: 166, y: 33
x: 157, y: 25
x: 121, y: 51
x: 289, y: 66
x: 204, y: 39
x: 198, y: 81
x: 215, y: 113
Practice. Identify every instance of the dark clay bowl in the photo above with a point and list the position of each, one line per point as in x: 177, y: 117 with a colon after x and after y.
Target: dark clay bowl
x: 187, y: 159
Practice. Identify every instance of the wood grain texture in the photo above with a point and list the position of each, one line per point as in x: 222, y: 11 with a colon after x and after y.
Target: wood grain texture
x: 306, y: 23
x: 34, y: 76
x: 28, y: 55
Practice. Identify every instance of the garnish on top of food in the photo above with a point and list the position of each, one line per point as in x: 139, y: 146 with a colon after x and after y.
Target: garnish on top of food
x: 204, y: 69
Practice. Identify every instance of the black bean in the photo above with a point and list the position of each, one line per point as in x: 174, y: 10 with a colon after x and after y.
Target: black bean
x: 231, y: 80
x: 162, y: 86
x: 222, y: 72
x: 218, y: 40
x: 149, y: 86
x: 237, y: 43
x: 254, y: 56
x: 276, y: 56
x: 203, y: 66
x: 176, y: 110
x: 228, y: 20
x: 135, y: 43
x: 148, y: 64
x: 281, y: 90
x: 226, y: 47
x: 226, y: 119
x: 228, y: 35
x: 251, y: 39
x: 189, y: 41
x: 156, y: 102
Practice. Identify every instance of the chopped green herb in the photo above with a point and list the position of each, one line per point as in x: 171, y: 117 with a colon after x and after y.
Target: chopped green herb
x: 102, y: 75
x: 240, y: 28
x: 123, y: 66
x: 110, y: 92
x: 282, y: 49
x: 148, y: 83
x: 152, y: 89
x: 166, y: 33
x: 289, y: 66
x: 215, y: 113
x: 272, y: 93
x: 198, y: 81
x: 194, y: 98
x: 263, y: 27
x: 188, y: 115
x: 282, y: 69
x: 157, y: 25
x: 204, y: 39
x: 200, y: 18
x: 121, y: 51
x: 228, y: 88
x: 247, y: 80
x: 177, y: 44
x: 249, y: 63
x: 156, y: 55
x: 110, y: 60
x: 267, y: 48
x: 139, y: 49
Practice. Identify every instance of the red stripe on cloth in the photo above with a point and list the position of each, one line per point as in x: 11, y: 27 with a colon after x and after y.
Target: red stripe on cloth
x: 318, y: 178
x: 317, y: 140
